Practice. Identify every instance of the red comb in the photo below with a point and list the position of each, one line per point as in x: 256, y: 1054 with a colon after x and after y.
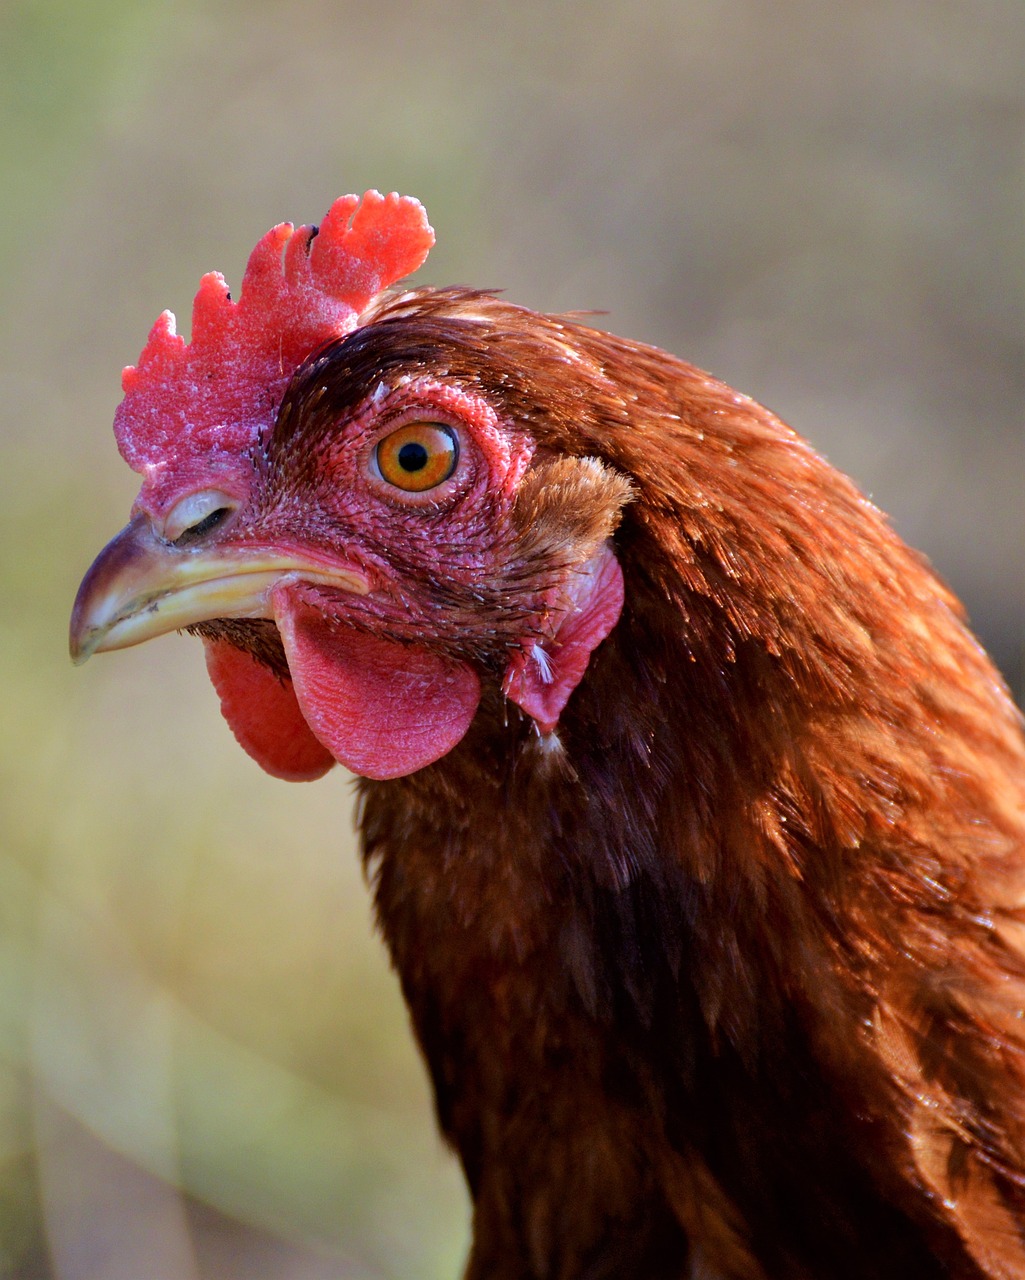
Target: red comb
x: 186, y: 401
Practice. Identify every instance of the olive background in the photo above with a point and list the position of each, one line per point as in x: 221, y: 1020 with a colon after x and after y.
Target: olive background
x: 205, y: 1066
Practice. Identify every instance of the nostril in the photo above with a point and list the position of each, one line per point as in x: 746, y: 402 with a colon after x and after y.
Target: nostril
x: 203, y: 527
x: 193, y: 517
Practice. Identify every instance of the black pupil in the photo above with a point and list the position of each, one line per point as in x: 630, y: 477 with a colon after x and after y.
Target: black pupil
x: 412, y: 457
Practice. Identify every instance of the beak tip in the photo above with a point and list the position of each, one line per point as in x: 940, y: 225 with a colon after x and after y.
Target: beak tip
x: 80, y: 647
x: 83, y: 637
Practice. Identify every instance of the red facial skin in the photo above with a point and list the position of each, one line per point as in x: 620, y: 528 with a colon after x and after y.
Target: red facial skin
x: 382, y: 706
x: 386, y: 678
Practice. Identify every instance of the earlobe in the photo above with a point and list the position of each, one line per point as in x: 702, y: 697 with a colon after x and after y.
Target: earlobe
x: 543, y: 674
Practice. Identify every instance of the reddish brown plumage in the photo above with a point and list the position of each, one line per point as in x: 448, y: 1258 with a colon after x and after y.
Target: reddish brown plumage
x: 743, y: 956
x: 725, y: 977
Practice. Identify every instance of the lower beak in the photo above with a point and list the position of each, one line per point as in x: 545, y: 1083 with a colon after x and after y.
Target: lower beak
x: 140, y: 586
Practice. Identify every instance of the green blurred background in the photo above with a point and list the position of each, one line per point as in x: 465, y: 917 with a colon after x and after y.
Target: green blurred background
x: 205, y: 1068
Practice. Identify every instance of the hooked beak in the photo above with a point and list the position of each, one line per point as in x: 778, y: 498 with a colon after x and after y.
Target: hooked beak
x: 141, y: 586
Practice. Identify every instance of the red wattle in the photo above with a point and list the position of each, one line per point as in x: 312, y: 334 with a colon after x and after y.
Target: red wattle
x: 381, y: 708
x: 264, y: 715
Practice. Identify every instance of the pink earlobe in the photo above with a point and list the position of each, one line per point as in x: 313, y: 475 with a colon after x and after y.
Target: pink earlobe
x: 382, y: 709
x: 264, y: 715
x: 544, y: 673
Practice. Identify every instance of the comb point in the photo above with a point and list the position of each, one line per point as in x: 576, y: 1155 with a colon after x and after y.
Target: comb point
x: 300, y: 289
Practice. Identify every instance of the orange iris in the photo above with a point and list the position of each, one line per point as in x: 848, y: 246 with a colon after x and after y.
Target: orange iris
x: 418, y: 456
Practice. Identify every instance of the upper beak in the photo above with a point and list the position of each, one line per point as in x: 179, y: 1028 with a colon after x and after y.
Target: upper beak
x: 140, y: 586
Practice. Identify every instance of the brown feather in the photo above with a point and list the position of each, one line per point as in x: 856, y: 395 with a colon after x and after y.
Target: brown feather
x: 740, y: 962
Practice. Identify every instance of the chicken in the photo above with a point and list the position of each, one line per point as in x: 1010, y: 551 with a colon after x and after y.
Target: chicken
x: 693, y: 812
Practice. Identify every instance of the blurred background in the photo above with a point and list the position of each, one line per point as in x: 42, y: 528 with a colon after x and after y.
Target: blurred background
x: 205, y: 1067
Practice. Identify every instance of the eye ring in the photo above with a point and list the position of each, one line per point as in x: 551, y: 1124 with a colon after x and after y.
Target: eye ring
x: 418, y: 456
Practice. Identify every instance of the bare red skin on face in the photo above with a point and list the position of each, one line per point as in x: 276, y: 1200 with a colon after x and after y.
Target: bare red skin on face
x: 387, y: 707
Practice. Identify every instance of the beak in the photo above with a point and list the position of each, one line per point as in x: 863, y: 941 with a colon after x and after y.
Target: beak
x: 140, y: 586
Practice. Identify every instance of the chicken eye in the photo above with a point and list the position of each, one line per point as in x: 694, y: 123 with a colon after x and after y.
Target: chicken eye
x: 418, y: 456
